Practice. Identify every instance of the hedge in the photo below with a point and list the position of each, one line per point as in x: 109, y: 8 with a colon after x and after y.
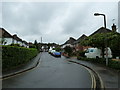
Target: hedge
x: 114, y: 64
x: 111, y: 63
x: 14, y: 56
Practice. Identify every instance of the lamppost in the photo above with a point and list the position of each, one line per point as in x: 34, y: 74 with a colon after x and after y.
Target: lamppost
x: 98, y: 14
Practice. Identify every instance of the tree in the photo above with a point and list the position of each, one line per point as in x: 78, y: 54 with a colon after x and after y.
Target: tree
x: 114, y: 43
x: 97, y: 40
x: 35, y: 42
x: 58, y: 49
x: 68, y: 50
x: 37, y: 45
x: 100, y: 41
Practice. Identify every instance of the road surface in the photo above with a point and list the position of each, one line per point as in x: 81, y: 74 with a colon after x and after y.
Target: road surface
x: 52, y: 72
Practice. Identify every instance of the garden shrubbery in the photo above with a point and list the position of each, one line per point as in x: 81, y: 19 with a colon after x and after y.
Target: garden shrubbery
x: 81, y: 53
x: 15, y: 45
x: 111, y: 64
x: 114, y: 64
x: 13, y: 56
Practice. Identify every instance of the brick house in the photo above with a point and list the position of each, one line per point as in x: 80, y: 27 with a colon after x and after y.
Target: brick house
x: 77, y: 45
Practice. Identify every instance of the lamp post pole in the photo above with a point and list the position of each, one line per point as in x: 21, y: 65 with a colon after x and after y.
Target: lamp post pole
x: 104, y: 21
x: 97, y: 14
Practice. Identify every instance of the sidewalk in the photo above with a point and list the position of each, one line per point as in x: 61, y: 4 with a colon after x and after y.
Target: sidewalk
x: 108, y: 75
x: 30, y: 64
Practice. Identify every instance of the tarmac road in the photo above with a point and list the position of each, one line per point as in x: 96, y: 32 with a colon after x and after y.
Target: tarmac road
x: 52, y: 72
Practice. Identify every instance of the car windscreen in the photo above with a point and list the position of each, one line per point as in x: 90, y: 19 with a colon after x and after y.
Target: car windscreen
x: 91, y: 50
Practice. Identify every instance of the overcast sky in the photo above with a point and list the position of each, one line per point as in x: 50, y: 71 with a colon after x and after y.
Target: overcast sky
x: 56, y: 21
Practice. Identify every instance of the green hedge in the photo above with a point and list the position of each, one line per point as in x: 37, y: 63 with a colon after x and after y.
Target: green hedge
x: 111, y: 64
x: 114, y: 64
x: 14, y: 56
x: 81, y: 53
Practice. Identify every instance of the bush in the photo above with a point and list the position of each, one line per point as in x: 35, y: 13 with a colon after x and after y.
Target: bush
x: 81, y: 53
x: 111, y: 64
x: 32, y: 46
x: 114, y: 64
x: 100, y: 60
x: 15, y: 45
x: 58, y: 49
x: 68, y: 50
x: 13, y: 56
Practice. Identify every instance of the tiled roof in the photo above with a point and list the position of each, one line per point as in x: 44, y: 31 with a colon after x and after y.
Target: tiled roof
x: 80, y: 39
x: 4, y: 33
x: 16, y: 37
x: 101, y: 30
x: 25, y: 42
x: 70, y: 41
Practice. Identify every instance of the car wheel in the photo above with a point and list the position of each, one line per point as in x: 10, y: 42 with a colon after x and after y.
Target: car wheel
x: 97, y: 57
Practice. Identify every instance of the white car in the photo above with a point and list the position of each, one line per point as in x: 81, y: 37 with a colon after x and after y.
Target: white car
x: 52, y: 51
x: 97, y: 53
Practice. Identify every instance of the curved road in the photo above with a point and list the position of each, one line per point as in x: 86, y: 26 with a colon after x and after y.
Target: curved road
x: 52, y: 73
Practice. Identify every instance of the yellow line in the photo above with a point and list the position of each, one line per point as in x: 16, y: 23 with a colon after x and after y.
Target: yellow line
x: 92, y: 77
x: 102, y: 84
x: 93, y: 86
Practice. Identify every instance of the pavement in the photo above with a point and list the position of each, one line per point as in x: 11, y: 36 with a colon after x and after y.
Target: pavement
x: 30, y: 65
x: 110, y: 77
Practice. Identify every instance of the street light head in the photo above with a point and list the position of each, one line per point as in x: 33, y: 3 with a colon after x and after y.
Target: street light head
x: 96, y: 14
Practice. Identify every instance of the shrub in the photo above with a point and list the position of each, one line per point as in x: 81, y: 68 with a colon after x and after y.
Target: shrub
x: 114, y: 64
x: 81, y: 53
x: 68, y: 50
x: 32, y: 46
x: 15, y: 45
x: 13, y: 56
x: 58, y: 49
x: 111, y: 63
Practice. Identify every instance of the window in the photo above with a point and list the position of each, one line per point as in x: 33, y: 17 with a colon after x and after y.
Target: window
x: 91, y: 50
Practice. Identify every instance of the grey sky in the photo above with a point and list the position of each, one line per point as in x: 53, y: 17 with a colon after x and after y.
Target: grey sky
x: 55, y: 21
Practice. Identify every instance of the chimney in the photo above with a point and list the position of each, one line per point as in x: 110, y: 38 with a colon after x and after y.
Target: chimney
x: 114, y: 28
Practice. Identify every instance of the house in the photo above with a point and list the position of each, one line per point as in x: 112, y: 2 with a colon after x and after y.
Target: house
x: 105, y: 30
x: 31, y: 45
x: 17, y: 40
x: 69, y: 42
x: 101, y: 30
x: 5, y: 37
x: 25, y: 44
x: 77, y: 45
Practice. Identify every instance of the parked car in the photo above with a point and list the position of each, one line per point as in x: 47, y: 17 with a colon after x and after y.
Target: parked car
x: 49, y: 51
x: 97, y: 53
x: 57, y: 54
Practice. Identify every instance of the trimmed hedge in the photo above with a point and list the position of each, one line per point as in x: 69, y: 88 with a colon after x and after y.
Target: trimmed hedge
x: 114, y: 64
x: 81, y: 53
x: 111, y: 64
x: 14, y: 56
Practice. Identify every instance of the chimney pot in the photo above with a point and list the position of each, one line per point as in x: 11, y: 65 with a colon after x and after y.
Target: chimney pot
x: 114, y: 28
